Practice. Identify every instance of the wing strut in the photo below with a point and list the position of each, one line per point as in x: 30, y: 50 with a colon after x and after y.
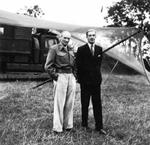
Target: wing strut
x: 121, y: 41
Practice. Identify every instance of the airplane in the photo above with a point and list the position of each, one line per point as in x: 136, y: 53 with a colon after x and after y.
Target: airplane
x: 123, y: 44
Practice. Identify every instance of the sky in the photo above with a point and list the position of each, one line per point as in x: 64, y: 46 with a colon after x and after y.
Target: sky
x: 80, y: 12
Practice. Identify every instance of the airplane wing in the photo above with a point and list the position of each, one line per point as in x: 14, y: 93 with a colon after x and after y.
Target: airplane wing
x: 127, y: 52
x: 27, y: 21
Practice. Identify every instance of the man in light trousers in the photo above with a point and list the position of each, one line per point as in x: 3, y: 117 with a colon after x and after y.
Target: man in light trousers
x: 60, y: 66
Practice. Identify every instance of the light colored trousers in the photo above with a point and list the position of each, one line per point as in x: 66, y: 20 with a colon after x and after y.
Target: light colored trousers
x: 64, y: 96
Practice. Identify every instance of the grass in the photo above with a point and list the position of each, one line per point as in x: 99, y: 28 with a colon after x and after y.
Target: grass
x: 26, y: 115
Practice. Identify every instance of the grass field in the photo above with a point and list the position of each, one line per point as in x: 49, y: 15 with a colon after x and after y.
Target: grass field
x: 26, y: 115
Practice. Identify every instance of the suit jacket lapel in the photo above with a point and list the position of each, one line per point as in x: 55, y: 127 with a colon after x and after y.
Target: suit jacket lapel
x: 96, y: 50
x: 88, y: 51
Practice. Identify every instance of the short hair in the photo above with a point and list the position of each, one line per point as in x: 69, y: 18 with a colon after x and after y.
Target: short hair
x: 90, y: 31
x: 66, y: 34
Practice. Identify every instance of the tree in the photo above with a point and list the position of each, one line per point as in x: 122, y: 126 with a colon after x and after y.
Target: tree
x: 129, y: 13
x: 34, y: 11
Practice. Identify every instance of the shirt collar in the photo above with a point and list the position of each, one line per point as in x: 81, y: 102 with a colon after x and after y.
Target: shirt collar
x: 90, y: 45
x: 61, y: 47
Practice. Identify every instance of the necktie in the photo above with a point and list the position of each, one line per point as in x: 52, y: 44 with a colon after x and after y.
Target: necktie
x: 92, y: 49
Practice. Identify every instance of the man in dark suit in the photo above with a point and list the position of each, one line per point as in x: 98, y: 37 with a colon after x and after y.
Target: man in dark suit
x: 88, y: 61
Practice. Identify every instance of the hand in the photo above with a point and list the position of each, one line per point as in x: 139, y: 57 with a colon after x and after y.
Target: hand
x: 54, y: 77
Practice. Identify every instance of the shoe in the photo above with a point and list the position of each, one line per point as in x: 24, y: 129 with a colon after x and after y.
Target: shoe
x: 68, y: 129
x: 86, y: 128
x: 102, y: 132
x: 56, y: 132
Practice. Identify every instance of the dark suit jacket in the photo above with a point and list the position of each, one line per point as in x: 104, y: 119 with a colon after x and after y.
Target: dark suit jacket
x: 89, y: 66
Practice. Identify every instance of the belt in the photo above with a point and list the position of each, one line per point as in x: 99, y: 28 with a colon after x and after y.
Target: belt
x: 68, y: 71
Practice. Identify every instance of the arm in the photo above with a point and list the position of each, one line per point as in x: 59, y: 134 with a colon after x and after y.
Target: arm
x: 78, y: 64
x: 50, y: 64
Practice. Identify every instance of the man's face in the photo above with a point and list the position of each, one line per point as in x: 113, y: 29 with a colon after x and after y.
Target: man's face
x: 91, y: 36
x: 65, y: 38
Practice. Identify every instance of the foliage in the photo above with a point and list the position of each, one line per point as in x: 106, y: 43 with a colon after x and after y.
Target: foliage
x: 129, y: 12
x: 34, y: 11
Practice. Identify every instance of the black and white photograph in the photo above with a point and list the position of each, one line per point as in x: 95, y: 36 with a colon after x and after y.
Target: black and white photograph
x: 75, y: 72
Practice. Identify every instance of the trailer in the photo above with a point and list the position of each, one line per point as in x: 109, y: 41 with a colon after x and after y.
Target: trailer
x: 21, y: 50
